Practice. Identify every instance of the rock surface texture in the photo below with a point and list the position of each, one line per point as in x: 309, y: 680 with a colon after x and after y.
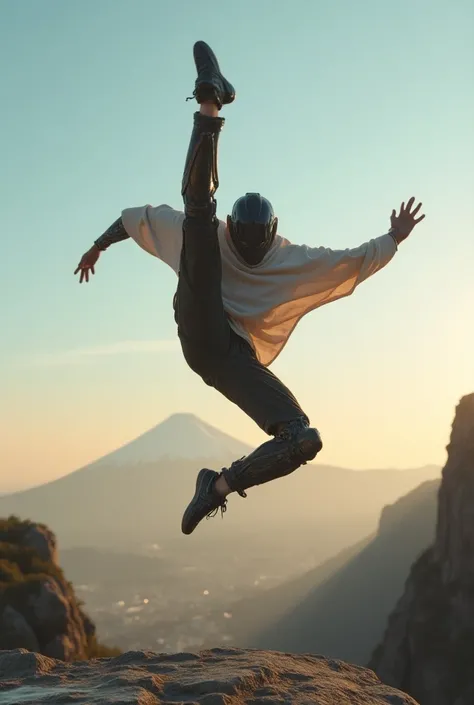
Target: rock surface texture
x: 215, y: 677
x: 428, y: 647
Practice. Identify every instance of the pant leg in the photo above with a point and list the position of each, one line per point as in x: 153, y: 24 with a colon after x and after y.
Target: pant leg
x: 210, y: 346
x: 220, y: 356
x: 241, y: 378
x: 203, y: 327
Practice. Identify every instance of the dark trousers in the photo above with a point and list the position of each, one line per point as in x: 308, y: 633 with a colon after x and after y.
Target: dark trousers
x: 210, y: 346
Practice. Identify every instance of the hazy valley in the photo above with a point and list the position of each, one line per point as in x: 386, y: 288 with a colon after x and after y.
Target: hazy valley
x: 146, y: 586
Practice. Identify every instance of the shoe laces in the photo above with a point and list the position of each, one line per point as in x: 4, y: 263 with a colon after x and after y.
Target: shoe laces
x: 222, y: 507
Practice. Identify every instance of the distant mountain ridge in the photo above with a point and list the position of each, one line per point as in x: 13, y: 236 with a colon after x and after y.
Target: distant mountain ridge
x: 136, y: 494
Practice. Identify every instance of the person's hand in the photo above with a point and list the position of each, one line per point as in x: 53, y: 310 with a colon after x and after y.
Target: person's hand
x: 403, y: 223
x: 87, y: 263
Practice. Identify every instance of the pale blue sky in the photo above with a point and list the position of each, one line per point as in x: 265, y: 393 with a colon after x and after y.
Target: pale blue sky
x: 343, y: 110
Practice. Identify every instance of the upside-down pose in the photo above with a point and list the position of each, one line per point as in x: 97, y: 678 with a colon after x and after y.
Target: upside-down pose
x: 242, y: 288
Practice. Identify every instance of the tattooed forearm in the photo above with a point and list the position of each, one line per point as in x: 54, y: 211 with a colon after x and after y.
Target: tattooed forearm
x: 116, y: 233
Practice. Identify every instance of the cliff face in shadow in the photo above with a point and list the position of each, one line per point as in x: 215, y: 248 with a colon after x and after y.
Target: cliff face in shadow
x: 428, y: 647
x: 38, y: 608
x: 341, y: 607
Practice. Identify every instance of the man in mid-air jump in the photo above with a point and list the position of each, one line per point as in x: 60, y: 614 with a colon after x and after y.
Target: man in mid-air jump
x: 242, y: 288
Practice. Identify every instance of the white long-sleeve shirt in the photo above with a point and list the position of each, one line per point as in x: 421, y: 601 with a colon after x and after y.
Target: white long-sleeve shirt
x: 265, y: 302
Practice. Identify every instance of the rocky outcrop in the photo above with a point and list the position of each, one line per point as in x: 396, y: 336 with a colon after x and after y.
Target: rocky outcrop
x: 30, y: 535
x: 428, y: 647
x: 15, y: 631
x: 215, y: 677
x: 38, y: 607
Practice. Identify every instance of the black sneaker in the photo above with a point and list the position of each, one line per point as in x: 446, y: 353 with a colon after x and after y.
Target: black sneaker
x: 210, y: 83
x: 206, y: 501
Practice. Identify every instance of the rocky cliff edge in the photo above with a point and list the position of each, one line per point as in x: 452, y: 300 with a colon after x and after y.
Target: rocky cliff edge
x: 215, y: 677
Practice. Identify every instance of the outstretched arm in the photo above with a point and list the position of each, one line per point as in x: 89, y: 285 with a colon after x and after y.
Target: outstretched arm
x: 115, y: 233
x: 326, y: 275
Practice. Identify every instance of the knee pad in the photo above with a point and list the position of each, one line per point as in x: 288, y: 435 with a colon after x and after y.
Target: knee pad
x: 294, y: 446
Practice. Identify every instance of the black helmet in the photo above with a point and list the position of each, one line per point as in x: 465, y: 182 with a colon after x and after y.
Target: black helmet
x: 252, y: 227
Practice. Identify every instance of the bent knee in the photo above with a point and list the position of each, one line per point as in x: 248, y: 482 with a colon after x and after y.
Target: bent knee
x: 309, y: 444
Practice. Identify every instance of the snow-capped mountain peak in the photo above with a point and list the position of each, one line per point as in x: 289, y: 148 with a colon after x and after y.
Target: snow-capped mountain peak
x: 180, y: 436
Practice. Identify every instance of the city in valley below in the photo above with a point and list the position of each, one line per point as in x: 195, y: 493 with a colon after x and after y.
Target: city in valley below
x: 187, y: 605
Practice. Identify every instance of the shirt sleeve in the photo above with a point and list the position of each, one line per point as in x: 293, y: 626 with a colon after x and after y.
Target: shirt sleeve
x: 353, y: 266
x: 158, y: 230
x: 326, y: 274
x: 115, y: 233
